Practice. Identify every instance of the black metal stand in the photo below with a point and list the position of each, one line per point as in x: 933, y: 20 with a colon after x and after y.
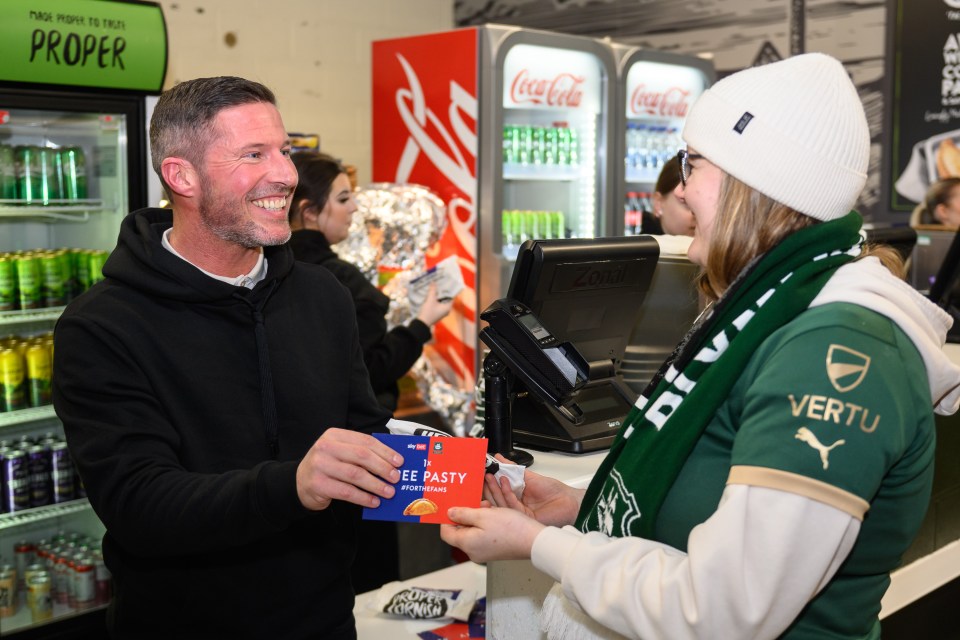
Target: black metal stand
x: 498, y: 397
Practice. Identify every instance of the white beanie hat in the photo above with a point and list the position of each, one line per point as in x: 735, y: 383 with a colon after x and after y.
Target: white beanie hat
x: 794, y: 130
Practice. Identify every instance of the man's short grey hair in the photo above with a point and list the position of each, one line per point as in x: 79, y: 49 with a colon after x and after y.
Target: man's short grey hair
x: 182, y: 122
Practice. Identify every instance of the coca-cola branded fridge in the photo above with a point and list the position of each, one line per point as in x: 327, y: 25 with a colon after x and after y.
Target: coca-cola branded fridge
x: 655, y: 91
x: 74, y: 89
x: 512, y: 129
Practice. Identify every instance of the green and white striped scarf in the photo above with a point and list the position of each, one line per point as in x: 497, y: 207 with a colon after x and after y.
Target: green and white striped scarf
x: 660, y: 431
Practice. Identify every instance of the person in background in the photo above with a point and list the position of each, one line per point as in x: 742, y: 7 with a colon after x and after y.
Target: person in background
x: 323, y: 207
x: 227, y: 455
x: 941, y: 206
x: 780, y: 463
x: 674, y: 215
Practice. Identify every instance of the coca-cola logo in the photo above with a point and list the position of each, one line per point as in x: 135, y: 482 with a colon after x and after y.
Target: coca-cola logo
x: 563, y: 90
x: 672, y: 103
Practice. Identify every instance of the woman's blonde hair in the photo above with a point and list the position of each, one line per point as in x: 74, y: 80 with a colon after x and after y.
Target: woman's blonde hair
x: 749, y: 224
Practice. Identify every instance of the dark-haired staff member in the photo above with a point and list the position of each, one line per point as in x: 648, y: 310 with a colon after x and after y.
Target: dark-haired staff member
x: 227, y: 455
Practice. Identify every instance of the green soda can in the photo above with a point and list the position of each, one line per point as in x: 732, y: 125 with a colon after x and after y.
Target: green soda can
x: 97, y: 259
x: 574, y: 148
x: 29, y: 281
x: 539, y: 145
x: 525, y: 150
x: 8, y: 174
x: 8, y: 283
x: 74, y: 167
x: 51, y: 174
x: 81, y: 258
x: 12, y: 381
x: 51, y: 279
x: 39, y: 371
x: 551, y: 149
x: 557, y: 222
x: 563, y: 146
x: 27, y: 167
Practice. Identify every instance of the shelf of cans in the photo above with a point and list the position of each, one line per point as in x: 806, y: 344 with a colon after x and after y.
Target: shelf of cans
x: 541, y: 153
x: 36, y: 472
x: 39, y: 175
x: 519, y: 226
x: 635, y: 205
x: 50, y: 578
x: 42, y: 278
x: 649, y: 147
x: 26, y: 371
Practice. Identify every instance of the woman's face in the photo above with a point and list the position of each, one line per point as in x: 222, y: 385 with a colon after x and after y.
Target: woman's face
x: 334, y: 219
x: 948, y: 213
x: 675, y: 216
x: 700, y: 195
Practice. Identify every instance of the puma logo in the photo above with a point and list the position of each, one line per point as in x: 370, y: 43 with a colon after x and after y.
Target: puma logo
x: 807, y: 436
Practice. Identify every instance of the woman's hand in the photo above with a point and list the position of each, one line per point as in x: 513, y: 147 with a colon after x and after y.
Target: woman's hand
x: 491, y: 534
x: 546, y: 500
x: 433, y: 310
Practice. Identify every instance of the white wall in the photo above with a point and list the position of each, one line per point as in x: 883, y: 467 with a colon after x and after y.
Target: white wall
x: 314, y: 54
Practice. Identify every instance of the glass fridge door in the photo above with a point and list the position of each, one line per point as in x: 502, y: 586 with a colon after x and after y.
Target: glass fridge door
x: 658, y: 96
x: 65, y: 177
x: 552, y: 145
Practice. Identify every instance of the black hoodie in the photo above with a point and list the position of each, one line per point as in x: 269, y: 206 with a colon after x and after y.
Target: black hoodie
x: 187, y: 404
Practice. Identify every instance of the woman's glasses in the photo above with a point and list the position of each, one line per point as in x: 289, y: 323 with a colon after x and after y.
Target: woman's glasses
x: 684, y: 159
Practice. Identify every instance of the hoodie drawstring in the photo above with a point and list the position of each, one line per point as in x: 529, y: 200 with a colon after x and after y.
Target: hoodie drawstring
x: 267, y: 397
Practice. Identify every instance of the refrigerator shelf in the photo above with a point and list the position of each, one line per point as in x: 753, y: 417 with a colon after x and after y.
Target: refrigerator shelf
x: 47, y: 314
x: 57, y: 210
x: 38, y: 514
x: 24, y: 416
x: 23, y: 619
x: 532, y: 172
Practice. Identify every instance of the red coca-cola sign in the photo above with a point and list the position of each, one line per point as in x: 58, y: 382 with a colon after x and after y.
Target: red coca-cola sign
x: 562, y: 90
x: 671, y: 103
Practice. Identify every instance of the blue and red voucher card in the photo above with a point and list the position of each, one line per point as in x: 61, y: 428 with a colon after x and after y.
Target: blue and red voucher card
x: 437, y: 473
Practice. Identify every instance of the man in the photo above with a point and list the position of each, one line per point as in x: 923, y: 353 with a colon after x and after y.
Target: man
x: 214, y: 396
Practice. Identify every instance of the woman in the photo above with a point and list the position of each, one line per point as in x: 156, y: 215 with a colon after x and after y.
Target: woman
x: 320, y: 216
x: 734, y: 501
x: 941, y: 206
x: 323, y: 206
x: 674, y: 215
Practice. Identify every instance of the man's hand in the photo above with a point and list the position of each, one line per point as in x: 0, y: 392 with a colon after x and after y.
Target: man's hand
x: 349, y: 466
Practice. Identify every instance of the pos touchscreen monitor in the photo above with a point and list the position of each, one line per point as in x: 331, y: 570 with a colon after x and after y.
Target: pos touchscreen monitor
x: 587, y: 292
x: 945, y: 288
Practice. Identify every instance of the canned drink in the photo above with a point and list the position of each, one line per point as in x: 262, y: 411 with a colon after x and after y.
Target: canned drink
x: 81, y: 264
x: 51, y: 174
x: 98, y: 257
x: 12, y: 380
x: 66, y: 273
x: 15, y: 479
x: 61, y: 576
x: 39, y: 374
x: 574, y: 147
x: 563, y: 146
x: 24, y: 555
x: 41, y: 487
x: 551, y: 148
x: 8, y: 283
x: 525, y: 153
x: 558, y: 224
x: 8, y: 173
x: 62, y: 476
x: 539, y: 146
x: 85, y: 582
x: 29, y: 281
x: 74, y: 173
x: 103, y: 578
x: 52, y: 285
x: 40, y: 597
x: 32, y: 570
x: 8, y: 593
x: 27, y: 165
